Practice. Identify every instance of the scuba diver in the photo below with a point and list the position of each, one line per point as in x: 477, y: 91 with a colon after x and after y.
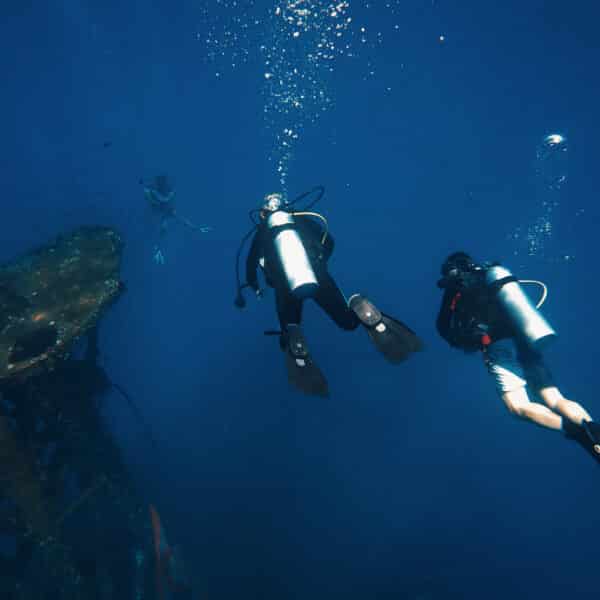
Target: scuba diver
x: 160, y: 196
x: 484, y: 309
x: 292, y: 249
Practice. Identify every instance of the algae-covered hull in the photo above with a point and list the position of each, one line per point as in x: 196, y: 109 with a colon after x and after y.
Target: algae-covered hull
x: 53, y: 295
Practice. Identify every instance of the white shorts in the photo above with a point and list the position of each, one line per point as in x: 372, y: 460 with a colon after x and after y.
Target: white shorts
x: 513, y: 368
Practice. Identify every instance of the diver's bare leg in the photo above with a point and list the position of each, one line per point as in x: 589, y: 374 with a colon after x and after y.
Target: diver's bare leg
x: 519, y: 404
x: 577, y: 423
x: 567, y: 408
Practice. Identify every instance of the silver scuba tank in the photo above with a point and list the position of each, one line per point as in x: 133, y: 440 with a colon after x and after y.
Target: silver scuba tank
x: 523, y: 315
x: 290, y: 250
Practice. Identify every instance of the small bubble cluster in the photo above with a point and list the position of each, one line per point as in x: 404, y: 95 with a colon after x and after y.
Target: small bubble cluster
x: 532, y: 240
x: 551, y: 161
x: 305, y: 37
x: 230, y: 30
x: 298, y: 43
x: 551, y: 176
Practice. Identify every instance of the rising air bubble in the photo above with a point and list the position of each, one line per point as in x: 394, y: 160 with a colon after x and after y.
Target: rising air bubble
x: 551, y: 161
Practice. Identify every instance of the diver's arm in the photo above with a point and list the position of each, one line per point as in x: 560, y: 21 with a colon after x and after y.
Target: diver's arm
x: 185, y: 221
x: 254, y: 255
x: 156, y: 198
x: 445, y: 315
x: 452, y: 332
x: 466, y: 334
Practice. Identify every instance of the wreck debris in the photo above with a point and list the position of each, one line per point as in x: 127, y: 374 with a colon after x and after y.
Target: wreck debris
x: 52, y: 296
x: 67, y: 504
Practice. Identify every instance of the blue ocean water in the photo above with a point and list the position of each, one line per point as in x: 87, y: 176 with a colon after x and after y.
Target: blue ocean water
x: 425, y: 121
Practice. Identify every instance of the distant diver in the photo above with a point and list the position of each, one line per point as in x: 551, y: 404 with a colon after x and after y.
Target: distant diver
x: 485, y: 309
x: 160, y: 196
x: 292, y: 249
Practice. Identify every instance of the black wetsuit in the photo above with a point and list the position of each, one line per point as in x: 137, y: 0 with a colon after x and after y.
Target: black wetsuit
x: 470, y: 316
x: 289, y: 307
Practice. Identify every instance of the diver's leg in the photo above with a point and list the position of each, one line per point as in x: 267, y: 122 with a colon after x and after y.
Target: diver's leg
x: 302, y: 371
x: 330, y: 298
x: 518, y: 403
x: 289, y: 308
x: 577, y: 424
x: 159, y: 257
x: 509, y: 376
x: 540, y: 379
x: 395, y: 340
x: 163, y: 224
x: 567, y: 408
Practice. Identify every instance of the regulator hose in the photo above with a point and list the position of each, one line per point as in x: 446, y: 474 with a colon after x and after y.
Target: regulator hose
x: 544, y: 290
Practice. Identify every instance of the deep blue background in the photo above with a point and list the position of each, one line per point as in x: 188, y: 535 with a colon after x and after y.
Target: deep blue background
x: 408, y: 482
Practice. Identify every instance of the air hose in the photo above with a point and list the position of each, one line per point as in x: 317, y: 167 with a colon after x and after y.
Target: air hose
x: 318, y: 216
x: 544, y: 290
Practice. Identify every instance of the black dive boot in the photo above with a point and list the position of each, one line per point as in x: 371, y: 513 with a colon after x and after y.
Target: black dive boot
x: 391, y: 337
x: 587, y: 435
x: 303, y: 373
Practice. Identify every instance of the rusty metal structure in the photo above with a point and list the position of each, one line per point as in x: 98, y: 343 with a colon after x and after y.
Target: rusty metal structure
x: 52, y: 296
x: 72, y: 526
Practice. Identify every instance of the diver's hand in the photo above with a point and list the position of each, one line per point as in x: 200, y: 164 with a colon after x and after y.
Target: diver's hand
x: 259, y: 293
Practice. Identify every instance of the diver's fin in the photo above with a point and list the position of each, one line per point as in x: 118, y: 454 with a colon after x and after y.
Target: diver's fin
x: 303, y: 373
x: 393, y: 339
x: 592, y: 430
x: 587, y: 435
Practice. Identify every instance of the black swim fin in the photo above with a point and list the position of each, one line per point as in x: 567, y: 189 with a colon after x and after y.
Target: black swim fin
x: 587, y: 435
x: 395, y: 340
x: 303, y: 373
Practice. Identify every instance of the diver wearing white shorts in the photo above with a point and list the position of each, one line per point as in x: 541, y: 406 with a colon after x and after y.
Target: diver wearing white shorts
x: 485, y: 310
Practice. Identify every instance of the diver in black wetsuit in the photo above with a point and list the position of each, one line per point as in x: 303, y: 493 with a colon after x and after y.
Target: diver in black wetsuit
x: 483, y: 309
x: 292, y: 249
